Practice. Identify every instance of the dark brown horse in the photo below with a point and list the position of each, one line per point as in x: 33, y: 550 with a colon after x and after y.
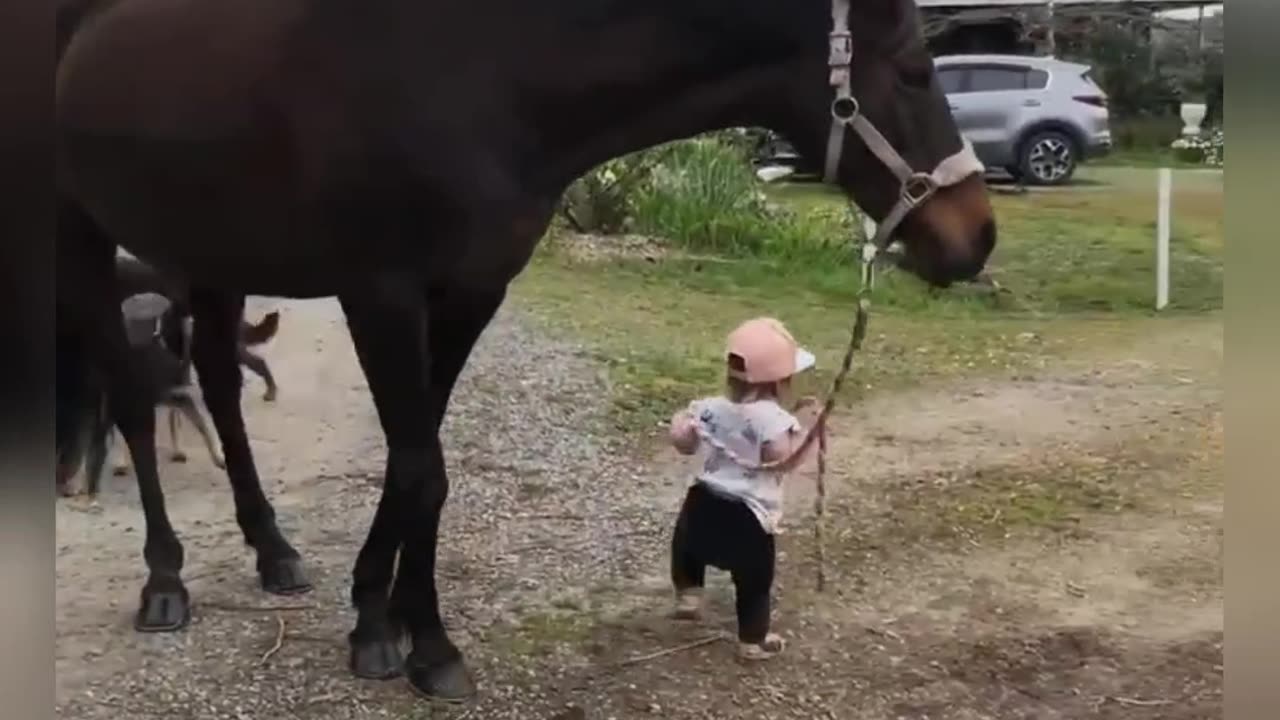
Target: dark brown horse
x: 406, y: 156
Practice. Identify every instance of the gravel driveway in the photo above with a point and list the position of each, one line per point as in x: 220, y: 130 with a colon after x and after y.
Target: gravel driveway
x: 538, y: 506
x: 554, y: 541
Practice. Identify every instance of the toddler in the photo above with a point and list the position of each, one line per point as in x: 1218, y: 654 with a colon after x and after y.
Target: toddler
x: 730, y: 514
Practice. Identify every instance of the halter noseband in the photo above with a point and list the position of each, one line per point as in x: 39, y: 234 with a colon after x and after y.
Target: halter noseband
x: 916, y: 187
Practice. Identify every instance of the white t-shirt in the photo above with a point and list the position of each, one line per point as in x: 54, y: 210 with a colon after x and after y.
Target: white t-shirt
x: 744, y: 428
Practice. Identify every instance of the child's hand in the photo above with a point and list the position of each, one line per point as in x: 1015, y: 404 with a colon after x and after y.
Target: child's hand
x: 806, y: 402
x: 807, y: 410
x: 684, y: 435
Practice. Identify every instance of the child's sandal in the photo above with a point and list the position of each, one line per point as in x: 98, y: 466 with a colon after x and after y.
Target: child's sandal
x: 763, y: 650
x: 688, y: 604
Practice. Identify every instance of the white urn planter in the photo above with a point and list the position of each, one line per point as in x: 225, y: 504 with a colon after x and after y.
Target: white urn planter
x: 1192, y: 116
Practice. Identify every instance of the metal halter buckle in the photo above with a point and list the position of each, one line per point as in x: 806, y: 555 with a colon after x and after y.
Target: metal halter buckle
x: 845, y: 109
x: 841, y: 49
x: 918, y: 188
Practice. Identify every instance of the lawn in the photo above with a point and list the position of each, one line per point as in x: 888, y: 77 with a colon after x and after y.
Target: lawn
x: 1122, y: 158
x: 1077, y: 264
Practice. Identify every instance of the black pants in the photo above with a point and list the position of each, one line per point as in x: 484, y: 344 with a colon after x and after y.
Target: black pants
x: 723, y: 533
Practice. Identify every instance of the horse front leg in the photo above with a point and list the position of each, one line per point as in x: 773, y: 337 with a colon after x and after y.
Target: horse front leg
x: 455, y: 320
x: 213, y: 350
x: 389, y: 327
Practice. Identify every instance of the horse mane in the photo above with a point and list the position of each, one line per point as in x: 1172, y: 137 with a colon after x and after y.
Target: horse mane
x: 70, y: 16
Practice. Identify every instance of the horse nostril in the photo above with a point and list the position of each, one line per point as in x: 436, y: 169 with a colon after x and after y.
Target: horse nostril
x: 987, y: 238
x: 971, y: 264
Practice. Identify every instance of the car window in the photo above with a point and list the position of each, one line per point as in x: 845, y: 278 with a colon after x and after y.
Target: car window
x: 951, y: 80
x: 986, y: 79
x: 1037, y: 79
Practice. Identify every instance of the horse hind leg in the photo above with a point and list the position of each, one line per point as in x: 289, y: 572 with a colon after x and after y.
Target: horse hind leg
x: 120, y: 460
x: 86, y: 277
x: 213, y: 349
x: 101, y: 441
x: 77, y: 399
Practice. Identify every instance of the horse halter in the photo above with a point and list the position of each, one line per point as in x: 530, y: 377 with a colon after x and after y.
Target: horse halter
x: 916, y: 187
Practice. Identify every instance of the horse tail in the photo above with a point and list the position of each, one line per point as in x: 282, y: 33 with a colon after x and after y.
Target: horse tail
x: 78, y: 403
x: 68, y: 16
x: 251, y: 334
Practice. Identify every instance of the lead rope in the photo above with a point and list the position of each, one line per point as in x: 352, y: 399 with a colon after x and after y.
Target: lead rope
x: 817, y: 432
x: 820, y: 513
x: 915, y: 188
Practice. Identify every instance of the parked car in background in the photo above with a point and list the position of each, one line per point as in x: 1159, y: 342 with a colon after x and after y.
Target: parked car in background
x: 1036, y: 117
x: 773, y: 150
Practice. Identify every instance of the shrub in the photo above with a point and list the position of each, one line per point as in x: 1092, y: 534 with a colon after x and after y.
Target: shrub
x: 702, y: 195
x: 601, y: 200
x: 706, y: 198
x: 1207, y: 149
x: 1188, y: 151
x: 1146, y: 133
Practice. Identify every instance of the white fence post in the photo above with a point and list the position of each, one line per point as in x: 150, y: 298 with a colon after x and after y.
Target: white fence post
x: 1162, y: 238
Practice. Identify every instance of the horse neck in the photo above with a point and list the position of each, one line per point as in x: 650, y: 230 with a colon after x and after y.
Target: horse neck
x: 638, y: 83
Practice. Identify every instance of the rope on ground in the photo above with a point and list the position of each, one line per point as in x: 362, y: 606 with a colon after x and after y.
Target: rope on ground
x: 255, y: 608
x: 820, y: 511
x: 279, y: 643
x: 1139, y: 703
x: 671, y: 650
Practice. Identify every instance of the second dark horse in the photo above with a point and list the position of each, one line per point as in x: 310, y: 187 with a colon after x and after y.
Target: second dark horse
x: 406, y: 156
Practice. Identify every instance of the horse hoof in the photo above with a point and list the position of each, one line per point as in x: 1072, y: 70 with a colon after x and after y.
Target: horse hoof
x: 449, y: 681
x: 284, y: 577
x: 378, y: 659
x: 163, y: 609
x: 269, y: 396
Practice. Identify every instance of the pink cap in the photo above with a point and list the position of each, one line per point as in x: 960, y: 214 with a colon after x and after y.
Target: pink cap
x: 761, y: 350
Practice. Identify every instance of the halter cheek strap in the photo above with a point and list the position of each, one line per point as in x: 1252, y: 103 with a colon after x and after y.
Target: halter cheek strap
x: 915, y: 187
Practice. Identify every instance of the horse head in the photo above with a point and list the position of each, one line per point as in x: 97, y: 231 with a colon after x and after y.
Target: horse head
x: 868, y: 101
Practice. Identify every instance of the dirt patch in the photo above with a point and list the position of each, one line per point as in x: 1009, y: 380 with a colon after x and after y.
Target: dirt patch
x: 1040, y: 548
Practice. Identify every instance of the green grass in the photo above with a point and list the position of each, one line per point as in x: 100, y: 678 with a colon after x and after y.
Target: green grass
x: 1094, y: 249
x: 1078, y: 262
x: 541, y: 633
x: 1143, y: 159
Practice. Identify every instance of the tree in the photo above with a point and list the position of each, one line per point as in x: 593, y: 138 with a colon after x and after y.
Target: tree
x: 1147, y: 63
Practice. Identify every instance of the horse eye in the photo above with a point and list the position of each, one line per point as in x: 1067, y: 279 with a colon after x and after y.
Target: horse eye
x: 917, y: 75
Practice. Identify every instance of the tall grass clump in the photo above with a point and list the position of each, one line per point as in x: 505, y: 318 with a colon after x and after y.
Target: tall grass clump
x: 705, y: 198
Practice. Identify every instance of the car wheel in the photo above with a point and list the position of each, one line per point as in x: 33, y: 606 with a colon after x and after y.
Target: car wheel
x: 1047, y: 158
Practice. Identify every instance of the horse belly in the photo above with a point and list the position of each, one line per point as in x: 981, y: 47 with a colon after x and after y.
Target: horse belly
x: 208, y: 159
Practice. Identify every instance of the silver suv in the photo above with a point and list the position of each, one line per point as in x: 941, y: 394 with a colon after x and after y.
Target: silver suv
x: 1036, y: 117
